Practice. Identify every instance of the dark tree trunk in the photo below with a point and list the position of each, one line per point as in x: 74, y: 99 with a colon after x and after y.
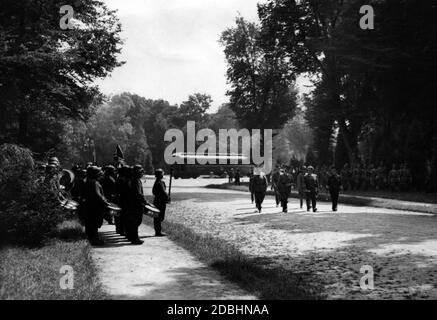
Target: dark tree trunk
x: 23, y: 127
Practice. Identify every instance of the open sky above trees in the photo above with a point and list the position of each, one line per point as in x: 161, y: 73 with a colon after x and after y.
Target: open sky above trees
x: 171, y: 48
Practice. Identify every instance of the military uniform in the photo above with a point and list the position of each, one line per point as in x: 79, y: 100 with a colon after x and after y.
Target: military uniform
x: 405, y: 178
x: 95, y: 204
x: 311, y: 189
x: 161, y: 199
x: 134, y: 215
x: 334, y: 186
x: 284, y: 188
x: 275, y: 181
x: 394, y: 179
x: 259, y: 187
x: 109, y: 189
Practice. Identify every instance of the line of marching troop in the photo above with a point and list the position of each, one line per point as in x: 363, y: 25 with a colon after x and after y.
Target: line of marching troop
x: 307, y: 184
x: 96, y: 190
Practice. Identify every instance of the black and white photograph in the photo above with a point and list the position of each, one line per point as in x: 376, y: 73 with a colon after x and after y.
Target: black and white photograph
x: 214, y: 156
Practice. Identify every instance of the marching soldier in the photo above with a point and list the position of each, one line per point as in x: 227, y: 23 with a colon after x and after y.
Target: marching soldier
x: 134, y: 216
x: 95, y: 204
x: 300, y: 184
x: 259, y: 187
x: 334, y: 186
x: 311, y: 189
x: 275, y: 181
x: 284, y: 188
x: 160, y: 201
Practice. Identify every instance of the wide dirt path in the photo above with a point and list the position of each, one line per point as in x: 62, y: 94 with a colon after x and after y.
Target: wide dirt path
x: 322, y: 248
x: 157, y: 270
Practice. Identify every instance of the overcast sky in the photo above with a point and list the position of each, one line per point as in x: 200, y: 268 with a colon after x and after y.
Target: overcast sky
x: 171, y: 47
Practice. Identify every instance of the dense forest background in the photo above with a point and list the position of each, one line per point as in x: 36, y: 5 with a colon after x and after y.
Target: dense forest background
x: 372, y: 103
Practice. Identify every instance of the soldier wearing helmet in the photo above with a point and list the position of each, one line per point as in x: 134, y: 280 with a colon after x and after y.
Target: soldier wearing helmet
x: 95, y: 204
x: 134, y: 216
x: 160, y: 201
x: 311, y: 189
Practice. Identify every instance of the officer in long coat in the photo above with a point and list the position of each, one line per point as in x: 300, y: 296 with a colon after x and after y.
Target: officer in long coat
x: 311, y: 189
x: 95, y: 204
x: 259, y: 188
x: 284, y: 188
x: 134, y: 214
x: 161, y: 199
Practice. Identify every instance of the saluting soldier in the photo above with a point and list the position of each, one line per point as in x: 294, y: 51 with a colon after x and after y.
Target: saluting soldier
x: 312, y: 189
x: 95, y: 204
x: 134, y: 215
x: 334, y: 186
x: 161, y: 199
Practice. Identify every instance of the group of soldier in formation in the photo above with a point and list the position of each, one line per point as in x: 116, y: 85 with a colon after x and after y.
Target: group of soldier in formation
x: 372, y: 178
x: 307, y: 185
x: 307, y: 181
x: 113, y: 188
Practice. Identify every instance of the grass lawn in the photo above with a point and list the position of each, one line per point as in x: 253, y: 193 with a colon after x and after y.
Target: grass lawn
x: 34, y: 273
x: 266, y: 283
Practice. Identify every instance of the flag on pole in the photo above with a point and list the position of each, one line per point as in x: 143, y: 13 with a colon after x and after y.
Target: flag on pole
x: 119, y: 153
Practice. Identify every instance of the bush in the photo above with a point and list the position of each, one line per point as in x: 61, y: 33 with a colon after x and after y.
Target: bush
x: 29, y: 211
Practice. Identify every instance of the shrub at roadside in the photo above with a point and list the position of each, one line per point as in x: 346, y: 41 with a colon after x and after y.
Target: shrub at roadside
x: 29, y: 212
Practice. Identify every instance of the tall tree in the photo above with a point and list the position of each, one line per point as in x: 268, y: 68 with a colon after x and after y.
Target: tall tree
x: 262, y: 93
x: 47, y: 73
